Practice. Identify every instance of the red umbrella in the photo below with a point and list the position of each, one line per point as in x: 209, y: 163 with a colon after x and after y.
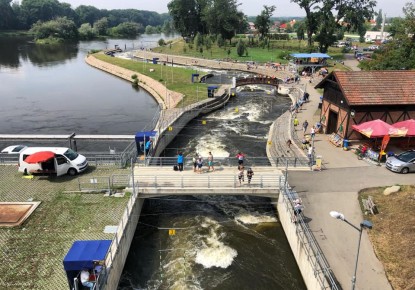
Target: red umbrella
x: 40, y: 156
x: 373, y: 129
x: 407, y: 126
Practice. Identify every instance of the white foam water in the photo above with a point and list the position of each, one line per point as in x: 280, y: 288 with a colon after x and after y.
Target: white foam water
x: 250, y: 219
x: 214, y: 253
x: 211, y: 143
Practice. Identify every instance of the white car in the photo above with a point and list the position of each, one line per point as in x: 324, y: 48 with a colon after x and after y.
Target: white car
x: 14, y: 149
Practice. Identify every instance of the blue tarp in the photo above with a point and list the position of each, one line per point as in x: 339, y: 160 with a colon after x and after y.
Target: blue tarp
x: 210, y: 88
x: 139, y: 136
x: 310, y: 55
x: 82, y: 254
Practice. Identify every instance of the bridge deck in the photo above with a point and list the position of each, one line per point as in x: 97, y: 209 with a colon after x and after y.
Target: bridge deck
x: 156, y: 181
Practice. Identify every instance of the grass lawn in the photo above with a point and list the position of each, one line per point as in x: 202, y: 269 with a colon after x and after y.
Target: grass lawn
x: 276, y: 52
x: 393, y: 234
x: 175, y: 78
x: 31, y: 255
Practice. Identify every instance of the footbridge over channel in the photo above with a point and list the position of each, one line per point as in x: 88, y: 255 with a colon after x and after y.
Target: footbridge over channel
x: 154, y: 181
x: 257, y: 80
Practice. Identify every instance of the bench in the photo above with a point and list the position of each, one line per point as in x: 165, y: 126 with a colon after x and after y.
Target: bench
x: 369, y: 205
x: 336, y: 140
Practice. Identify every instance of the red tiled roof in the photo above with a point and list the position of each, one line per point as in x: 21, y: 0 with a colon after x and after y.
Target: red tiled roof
x: 376, y: 87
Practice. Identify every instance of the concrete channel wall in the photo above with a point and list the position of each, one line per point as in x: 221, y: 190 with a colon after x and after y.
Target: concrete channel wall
x: 297, y: 247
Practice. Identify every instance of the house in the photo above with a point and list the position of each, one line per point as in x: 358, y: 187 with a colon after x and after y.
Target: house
x: 354, y: 97
x: 252, y: 27
x: 376, y: 35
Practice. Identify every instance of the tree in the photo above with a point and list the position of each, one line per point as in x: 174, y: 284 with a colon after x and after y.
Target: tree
x: 399, y: 53
x: 351, y: 12
x: 7, y: 16
x: 300, y: 30
x: 88, y: 14
x: 379, y: 20
x: 263, y: 21
x: 101, y: 26
x: 198, y: 41
x: 220, y: 41
x: 42, y: 10
x: 127, y: 29
x: 86, y: 31
x: 240, y: 48
x: 222, y: 17
x: 59, y: 28
x: 187, y: 16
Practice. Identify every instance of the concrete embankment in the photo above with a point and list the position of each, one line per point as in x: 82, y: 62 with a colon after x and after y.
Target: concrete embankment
x: 165, y: 97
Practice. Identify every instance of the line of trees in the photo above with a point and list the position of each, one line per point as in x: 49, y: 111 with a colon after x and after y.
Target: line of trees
x: 214, y: 17
x: 91, y: 20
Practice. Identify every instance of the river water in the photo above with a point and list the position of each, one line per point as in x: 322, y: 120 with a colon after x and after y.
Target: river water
x: 221, y: 242
x: 51, y: 90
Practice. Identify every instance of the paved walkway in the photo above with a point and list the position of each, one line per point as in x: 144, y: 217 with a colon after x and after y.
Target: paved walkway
x: 336, y: 188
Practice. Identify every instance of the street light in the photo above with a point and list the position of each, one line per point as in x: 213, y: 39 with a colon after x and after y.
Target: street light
x: 363, y: 225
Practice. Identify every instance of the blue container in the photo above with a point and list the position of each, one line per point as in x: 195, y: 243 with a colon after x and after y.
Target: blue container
x: 346, y: 144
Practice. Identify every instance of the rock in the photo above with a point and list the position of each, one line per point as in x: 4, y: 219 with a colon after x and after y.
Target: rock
x: 392, y: 189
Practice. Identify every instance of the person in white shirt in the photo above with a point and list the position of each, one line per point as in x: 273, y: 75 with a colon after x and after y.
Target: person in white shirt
x: 85, y: 279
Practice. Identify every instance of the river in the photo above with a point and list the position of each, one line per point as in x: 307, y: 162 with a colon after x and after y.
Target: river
x: 51, y: 90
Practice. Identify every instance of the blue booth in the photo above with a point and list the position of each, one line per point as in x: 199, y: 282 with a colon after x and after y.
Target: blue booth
x: 85, y: 255
x: 195, y: 76
x: 211, y: 91
x: 141, y: 139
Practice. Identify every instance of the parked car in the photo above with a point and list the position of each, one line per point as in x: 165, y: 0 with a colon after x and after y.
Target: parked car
x: 59, y: 161
x: 403, y: 163
x: 373, y: 47
x: 14, y: 149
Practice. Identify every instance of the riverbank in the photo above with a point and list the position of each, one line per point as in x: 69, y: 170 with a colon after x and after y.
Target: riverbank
x: 166, y: 98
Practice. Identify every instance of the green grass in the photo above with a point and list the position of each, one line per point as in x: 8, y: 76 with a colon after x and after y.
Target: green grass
x: 175, y: 78
x: 15, y: 33
x: 277, y: 51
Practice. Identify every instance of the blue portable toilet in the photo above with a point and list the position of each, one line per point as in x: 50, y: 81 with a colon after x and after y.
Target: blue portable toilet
x: 195, y: 76
x: 142, y: 137
x: 211, y: 91
x: 85, y: 255
x: 155, y: 60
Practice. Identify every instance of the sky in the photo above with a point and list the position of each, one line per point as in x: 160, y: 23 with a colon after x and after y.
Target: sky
x: 392, y: 8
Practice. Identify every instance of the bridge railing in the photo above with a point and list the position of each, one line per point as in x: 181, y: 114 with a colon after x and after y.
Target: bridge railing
x: 228, y: 161
x: 207, y: 181
x: 318, y: 261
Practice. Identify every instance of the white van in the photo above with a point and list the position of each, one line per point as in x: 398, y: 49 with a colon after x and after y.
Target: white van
x: 66, y: 161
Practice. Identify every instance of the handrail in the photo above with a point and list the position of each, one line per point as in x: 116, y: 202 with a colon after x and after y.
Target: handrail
x: 229, y: 161
x: 206, y: 181
x: 319, y: 263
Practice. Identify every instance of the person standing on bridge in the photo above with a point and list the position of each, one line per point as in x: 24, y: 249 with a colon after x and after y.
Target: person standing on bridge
x: 210, y: 162
x: 180, y: 159
x: 249, y: 174
x: 241, y: 175
x: 240, y: 158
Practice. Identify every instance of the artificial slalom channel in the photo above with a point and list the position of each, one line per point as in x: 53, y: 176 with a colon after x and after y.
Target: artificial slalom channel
x: 220, y: 242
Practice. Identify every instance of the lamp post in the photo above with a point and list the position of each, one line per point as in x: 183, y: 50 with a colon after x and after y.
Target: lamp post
x: 363, y: 225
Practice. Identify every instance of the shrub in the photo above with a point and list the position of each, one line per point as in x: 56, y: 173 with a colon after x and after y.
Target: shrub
x: 161, y: 42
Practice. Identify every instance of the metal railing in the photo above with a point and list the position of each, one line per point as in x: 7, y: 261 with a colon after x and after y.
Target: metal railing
x: 229, y: 161
x: 104, y: 183
x: 316, y: 258
x: 128, y: 154
x: 207, y: 181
